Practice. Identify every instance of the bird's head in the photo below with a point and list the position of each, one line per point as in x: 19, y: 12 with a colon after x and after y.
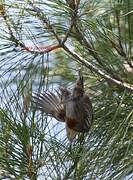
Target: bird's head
x: 78, y: 90
x: 64, y: 91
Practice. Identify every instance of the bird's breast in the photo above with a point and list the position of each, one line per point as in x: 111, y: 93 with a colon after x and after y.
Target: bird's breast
x: 71, y: 123
x: 70, y: 114
x: 70, y: 109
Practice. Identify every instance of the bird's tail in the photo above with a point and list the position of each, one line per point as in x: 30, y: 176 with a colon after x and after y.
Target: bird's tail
x: 71, y: 134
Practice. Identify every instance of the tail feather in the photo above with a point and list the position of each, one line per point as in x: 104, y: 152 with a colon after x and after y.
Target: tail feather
x: 71, y: 134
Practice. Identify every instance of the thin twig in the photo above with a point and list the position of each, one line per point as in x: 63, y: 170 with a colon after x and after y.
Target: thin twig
x: 73, y: 18
x: 43, y: 18
x: 92, y: 51
x: 69, y: 31
x: 32, y: 50
x: 13, y: 38
x: 119, y: 31
x: 108, y: 77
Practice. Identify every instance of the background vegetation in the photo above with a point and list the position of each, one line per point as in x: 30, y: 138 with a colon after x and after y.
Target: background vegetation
x: 42, y: 44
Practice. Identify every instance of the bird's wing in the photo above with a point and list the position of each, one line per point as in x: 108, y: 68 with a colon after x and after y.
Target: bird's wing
x: 49, y: 103
x: 88, y: 111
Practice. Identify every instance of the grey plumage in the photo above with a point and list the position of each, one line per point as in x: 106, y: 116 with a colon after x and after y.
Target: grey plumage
x: 72, y: 107
x: 49, y: 103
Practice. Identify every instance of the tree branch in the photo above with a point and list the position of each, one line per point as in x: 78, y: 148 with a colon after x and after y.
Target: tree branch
x: 43, y: 18
x: 83, y: 41
x: 108, y: 77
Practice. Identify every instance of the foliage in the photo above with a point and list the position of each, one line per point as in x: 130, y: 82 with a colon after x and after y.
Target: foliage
x: 43, y: 43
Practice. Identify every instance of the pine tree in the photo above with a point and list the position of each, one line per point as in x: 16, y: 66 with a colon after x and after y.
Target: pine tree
x: 42, y: 45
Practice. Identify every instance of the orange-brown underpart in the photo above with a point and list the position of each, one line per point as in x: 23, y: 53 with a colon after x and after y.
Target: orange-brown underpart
x: 71, y: 123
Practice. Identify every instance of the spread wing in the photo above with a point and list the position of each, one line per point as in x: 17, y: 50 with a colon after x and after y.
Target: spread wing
x: 88, y: 112
x: 49, y: 103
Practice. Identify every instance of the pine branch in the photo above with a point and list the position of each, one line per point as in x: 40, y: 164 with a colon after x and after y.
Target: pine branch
x: 93, y: 68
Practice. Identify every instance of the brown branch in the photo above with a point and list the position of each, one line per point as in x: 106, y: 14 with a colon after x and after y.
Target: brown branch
x: 71, y: 4
x: 42, y: 50
x: 69, y: 30
x: 73, y: 18
x: 33, y: 50
x: 74, y: 5
x: 84, y: 42
x: 93, y: 68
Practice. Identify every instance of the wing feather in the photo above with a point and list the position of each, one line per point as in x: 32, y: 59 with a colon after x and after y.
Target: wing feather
x: 49, y: 103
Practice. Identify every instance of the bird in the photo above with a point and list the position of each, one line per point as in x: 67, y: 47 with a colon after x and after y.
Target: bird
x: 74, y: 107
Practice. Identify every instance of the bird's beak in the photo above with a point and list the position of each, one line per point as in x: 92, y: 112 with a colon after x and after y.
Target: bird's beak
x: 80, y: 79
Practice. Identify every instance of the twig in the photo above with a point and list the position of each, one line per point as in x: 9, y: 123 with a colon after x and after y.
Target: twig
x: 122, y: 53
x: 108, y: 77
x: 73, y: 18
x: 23, y: 46
x: 69, y: 31
x: 92, y: 51
x: 45, y: 21
x: 13, y: 38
